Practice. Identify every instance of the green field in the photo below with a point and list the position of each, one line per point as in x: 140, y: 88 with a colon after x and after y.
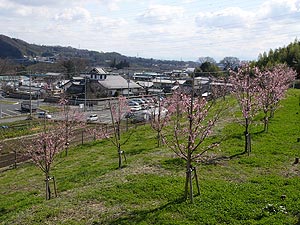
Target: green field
x: 263, y: 188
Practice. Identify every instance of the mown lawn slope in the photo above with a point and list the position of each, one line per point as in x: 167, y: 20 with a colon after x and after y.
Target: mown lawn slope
x: 263, y: 188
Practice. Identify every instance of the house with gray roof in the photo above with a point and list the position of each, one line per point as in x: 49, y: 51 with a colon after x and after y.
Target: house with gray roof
x: 98, y: 84
x: 114, y: 85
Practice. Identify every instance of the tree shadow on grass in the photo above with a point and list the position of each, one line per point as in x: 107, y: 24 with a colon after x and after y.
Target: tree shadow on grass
x: 138, y: 216
x: 298, y: 222
x: 139, y: 150
x: 218, y: 159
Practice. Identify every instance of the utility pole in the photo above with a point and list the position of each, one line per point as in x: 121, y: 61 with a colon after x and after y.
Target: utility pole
x: 128, y: 81
x: 30, y: 97
x: 85, y: 93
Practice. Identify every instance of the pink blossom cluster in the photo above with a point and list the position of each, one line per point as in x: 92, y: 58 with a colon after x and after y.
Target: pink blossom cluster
x: 256, y: 89
x: 245, y: 89
x: 45, y: 147
x: 119, y: 109
x: 190, y: 124
x: 273, y: 83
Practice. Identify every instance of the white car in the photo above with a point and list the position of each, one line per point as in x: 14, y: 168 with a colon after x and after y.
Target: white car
x: 92, y: 118
x: 44, y: 115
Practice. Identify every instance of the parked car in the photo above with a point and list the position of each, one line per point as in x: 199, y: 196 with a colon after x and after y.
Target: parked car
x: 141, y: 116
x: 92, y: 118
x: 44, y: 115
x: 142, y: 103
x: 151, y: 100
x: 25, y: 106
x: 134, y: 106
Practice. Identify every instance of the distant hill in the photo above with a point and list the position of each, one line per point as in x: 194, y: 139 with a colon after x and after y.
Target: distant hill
x: 22, y: 51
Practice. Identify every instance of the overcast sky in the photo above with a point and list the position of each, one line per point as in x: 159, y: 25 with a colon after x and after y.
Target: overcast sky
x: 169, y: 29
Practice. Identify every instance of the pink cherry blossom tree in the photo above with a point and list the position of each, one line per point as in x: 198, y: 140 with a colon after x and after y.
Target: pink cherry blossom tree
x: 246, y: 90
x: 159, y: 118
x: 118, y: 110
x: 43, y: 150
x: 99, y: 131
x: 191, y: 123
x: 72, y: 119
x: 273, y: 84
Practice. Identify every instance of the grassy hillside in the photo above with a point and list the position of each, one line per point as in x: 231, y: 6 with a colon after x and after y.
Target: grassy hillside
x: 235, y: 188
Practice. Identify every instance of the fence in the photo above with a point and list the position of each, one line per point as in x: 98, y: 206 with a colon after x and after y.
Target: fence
x: 14, y: 154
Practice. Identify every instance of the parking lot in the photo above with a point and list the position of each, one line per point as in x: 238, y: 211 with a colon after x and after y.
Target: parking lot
x: 9, y: 108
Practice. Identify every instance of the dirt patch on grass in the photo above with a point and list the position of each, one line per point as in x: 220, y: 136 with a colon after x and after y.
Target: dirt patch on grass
x: 292, y: 171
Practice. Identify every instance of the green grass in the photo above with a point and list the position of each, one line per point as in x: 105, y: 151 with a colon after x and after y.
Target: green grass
x: 8, y: 102
x: 50, y: 109
x: 235, y: 188
x: 21, y: 128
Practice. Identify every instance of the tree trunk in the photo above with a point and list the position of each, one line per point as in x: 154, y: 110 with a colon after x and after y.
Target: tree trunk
x: 120, y: 156
x: 191, y: 186
x: 188, y: 181
x: 15, y: 159
x: 66, y: 150
x: 67, y: 135
x: 266, y: 122
x: 272, y: 112
x: 196, y: 178
x: 48, y: 192
x: 82, y: 137
x: 158, y: 139
x: 247, y: 137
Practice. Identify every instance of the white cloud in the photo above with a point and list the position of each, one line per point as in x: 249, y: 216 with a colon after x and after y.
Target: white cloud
x: 38, y: 2
x: 4, y: 4
x: 13, y: 9
x: 227, y: 18
x: 24, y: 11
x: 113, y: 5
x: 279, y: 9
x: 101, y: 23
x: 235, y: 17
x: 246, y: 33
x: 74, y: 14
x: 158, y: 14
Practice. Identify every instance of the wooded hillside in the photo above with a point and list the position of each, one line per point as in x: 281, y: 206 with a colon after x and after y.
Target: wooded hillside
x: 289, y: 55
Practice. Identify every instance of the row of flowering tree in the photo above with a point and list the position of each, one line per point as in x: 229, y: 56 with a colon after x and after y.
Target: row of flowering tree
x: 43, y: 150
x: 159, y: 118
x: 183, y: 121
x: 192, y: 118
x: 54, y: 139
x: 245, y: 89
x: 259, y: 90
x: 118, y: 111
x: 71, y: 120
x: 273, y: 84
x: 185, y: 125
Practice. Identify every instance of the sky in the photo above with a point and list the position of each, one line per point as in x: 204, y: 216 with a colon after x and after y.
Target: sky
x: 170, y: 29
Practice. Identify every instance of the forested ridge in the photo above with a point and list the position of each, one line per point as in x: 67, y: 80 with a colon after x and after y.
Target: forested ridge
x: 13, y: 49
